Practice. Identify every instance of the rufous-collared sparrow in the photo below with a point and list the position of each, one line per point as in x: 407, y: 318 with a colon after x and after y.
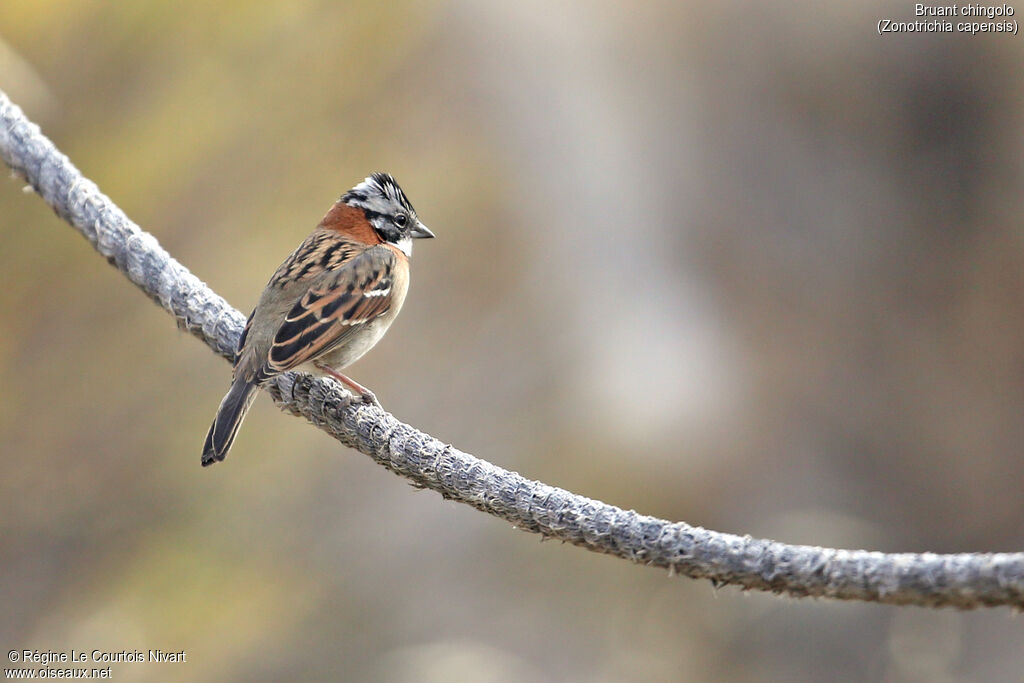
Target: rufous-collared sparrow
x: 328, y: 303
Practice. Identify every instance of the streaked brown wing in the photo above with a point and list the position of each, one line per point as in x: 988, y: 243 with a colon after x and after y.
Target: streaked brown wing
x: 329, y: 313
x: 320, y: 252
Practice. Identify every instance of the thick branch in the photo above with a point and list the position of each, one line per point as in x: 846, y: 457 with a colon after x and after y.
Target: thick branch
x: 963, y: 580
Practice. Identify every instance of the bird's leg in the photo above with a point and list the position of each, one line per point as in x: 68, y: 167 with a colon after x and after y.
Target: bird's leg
x: 355, y: 387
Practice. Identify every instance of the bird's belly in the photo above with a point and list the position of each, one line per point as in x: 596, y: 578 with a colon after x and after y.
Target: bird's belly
x: 353, y: 349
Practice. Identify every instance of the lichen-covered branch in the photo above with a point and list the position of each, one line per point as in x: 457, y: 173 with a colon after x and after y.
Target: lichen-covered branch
x: 965, y: 580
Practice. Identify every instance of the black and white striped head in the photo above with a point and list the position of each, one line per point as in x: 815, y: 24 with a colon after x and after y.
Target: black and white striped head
x: 389, y: 211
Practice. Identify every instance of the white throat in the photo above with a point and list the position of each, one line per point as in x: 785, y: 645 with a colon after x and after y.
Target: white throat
x: 405, y: 244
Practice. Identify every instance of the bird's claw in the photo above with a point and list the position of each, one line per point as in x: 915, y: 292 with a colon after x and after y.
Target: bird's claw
x: 367, y: 397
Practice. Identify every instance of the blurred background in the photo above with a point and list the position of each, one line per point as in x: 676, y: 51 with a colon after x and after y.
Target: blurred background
x: 750, y: 266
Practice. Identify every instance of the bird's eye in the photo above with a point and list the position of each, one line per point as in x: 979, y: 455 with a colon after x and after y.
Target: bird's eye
x: 401, y: 219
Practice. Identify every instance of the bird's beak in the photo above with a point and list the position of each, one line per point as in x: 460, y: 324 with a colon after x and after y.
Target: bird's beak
x: 420, y: 231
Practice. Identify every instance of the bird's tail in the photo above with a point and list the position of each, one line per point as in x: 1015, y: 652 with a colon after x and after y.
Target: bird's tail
x: 229, y: 416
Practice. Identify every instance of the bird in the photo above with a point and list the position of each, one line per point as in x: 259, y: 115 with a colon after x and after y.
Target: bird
x: 328, y: 304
